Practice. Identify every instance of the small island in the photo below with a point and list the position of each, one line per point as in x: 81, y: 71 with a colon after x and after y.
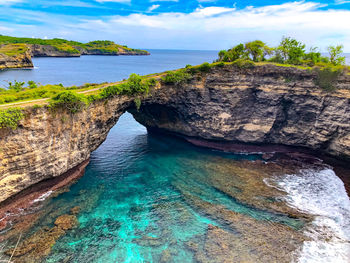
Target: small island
x: 17, y: 52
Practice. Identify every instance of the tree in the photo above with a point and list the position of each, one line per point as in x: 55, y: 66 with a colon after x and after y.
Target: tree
x: 335, y: 55
x: 291, y: 50
x: 16, y: 86
x: 257, y: 50
x: 313, y: 57
x: 233, y: 54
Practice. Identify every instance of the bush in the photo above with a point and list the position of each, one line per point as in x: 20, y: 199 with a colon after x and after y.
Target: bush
x: 10, y: 118
x: 133, y: 86
x: 327, y: 78
x: 257, y: 50
x: 205, y: 67
x: 243, y: 64
x: 237, y: 52
x: 16, y: 86
x: 69, y: 101
x: 335, y: 55
x: 137, y: 102
x: 176, y: 77
x: 292, y: 50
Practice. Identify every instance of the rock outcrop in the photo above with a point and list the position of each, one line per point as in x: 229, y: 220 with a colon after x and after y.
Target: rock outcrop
x: 19, y: 61
x: 263, y: 105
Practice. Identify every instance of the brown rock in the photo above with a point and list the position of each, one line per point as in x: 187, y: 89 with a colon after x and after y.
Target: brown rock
x: 66, y: 222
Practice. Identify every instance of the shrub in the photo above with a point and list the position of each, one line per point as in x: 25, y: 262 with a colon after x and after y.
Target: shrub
x: 335, y: 55
x: 92, y: 97
x: 32, y: 84
x: 69, y: 101
x: 16, y: 86
x: 233, y: 54
x: 243, y: 63
x: 257, y: 50
x: 134, y: 85
x: 10, y: 118
x: 137, y: 102
x: 111, y: 91
x: 205, y: 67
x: 292, y: 50
x: 176, y: 77
x: 327, y: 78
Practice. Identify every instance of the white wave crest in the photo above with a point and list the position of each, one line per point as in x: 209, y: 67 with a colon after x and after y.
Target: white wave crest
x: 43, y: 197
x: 322, y: 194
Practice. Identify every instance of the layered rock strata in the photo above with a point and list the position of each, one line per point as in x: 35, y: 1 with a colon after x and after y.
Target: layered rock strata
x: 264, y: 105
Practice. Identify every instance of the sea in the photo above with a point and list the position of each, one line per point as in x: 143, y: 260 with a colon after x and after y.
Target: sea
x: 156, y: 198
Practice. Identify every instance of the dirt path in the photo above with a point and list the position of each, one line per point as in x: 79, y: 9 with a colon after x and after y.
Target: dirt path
x: 45, y: 100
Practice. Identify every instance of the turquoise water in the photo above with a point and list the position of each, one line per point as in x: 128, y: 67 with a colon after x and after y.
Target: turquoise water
x: 132, y: 202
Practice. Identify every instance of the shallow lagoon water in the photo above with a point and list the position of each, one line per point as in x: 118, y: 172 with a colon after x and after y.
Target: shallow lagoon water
x: 154, y: 198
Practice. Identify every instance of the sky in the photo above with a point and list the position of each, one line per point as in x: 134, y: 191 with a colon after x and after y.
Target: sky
x: 180, y: 24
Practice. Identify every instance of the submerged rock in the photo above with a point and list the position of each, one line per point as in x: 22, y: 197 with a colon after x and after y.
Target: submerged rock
x: 36, y: 247
x: 66, y: 222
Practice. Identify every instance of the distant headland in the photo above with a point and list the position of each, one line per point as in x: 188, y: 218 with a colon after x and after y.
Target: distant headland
x: 17, y: 52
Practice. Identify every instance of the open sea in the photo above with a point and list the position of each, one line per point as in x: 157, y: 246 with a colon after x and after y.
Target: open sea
x: 156, y: 198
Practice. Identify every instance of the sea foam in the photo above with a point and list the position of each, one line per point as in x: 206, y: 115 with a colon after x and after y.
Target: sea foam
x: 323, y: 195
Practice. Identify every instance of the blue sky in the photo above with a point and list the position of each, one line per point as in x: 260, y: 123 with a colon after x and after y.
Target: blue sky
x: 180, y: 24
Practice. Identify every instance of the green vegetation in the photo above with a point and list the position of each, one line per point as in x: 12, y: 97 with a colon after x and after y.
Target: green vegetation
x: 19, y: 91
x: 177, y: 77
x: 134, y: 85
x: 13, y: 50
x: 71, y: 47
x: 327, y: 77
x: 289, y: 51
x: 9, y: 118
x: 137, y: 102
x: 68, y: 100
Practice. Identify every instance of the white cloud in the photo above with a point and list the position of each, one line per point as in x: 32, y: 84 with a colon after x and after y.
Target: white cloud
x: 115, y: 1
x: 9, y: 2
x: 204, y: 28
x: 153, y: 7
x: 340, y: 2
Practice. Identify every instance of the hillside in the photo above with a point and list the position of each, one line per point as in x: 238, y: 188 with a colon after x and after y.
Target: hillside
x: 17, y: 52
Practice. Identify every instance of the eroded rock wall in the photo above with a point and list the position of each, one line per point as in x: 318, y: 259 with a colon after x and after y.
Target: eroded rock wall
x: 263, y: 105
x: 19, y: 61
x: 46, y: 145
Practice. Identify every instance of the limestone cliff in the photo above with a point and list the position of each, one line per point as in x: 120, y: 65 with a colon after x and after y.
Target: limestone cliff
x: 261, y: 105
x: 18, y: 61
x: 46, y: 145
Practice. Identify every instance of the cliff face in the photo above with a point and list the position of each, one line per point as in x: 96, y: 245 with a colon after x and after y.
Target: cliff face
x: 49, y: 51
x: 263, y: 105
x: 46, y: 145
x: 19, y: 61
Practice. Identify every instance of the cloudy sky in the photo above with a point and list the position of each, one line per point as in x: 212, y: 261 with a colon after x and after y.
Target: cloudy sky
x: 180, y: 24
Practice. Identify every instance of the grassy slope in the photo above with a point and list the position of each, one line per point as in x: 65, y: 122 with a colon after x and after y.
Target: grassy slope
x: 105, y: 46
x: 13, y: 50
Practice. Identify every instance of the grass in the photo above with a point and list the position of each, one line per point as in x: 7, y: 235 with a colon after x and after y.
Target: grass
x: 13, y: 50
